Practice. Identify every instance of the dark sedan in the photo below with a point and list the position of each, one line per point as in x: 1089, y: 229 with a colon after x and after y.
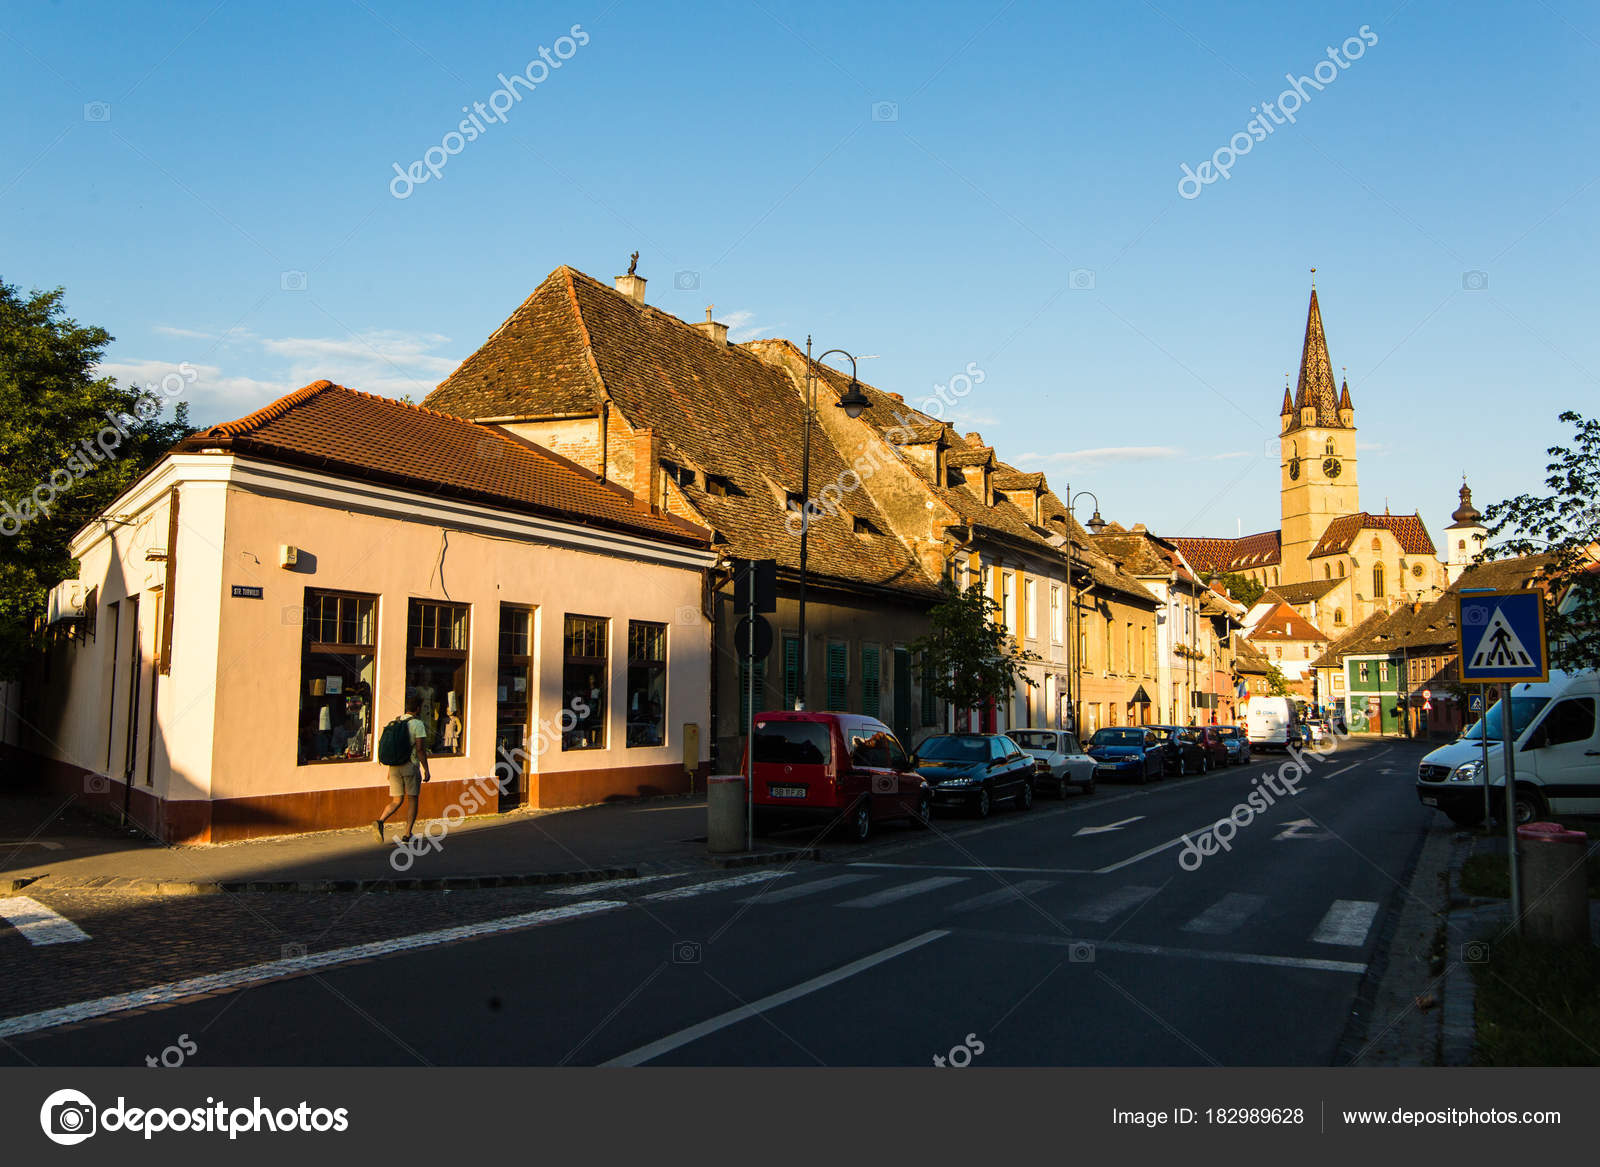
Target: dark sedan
x: 1211, y: 742
x: 1236, y: 741
x: 975, y: 770
x: 1134, y: 754
x: 1185, y: 753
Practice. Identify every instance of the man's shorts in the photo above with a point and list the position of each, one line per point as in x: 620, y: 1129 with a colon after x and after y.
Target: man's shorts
x: 405, y: 779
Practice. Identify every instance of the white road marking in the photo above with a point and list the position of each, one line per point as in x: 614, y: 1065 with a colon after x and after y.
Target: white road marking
x: 796, y: 891
x: 1167, y: 846
x: 1302, y: 829
x: 1298, y: 962
x: 683, y: 1037
x: 599, y: 885
x: 905, y: 891
x: 1102, y: 910
x: 45, y: 843
x: 1347, y: 923
x: 38, y: 924
x: 700, y: 889
x: 1226, y: 915
x: 977, y: 867
x: 1108, y: 827
x: 1003, y: 895
x: 276, y: 969
x: 653, y: 809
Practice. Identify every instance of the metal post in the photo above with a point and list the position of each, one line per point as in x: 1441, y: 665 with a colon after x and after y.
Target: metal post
x: 1072, y: 631
x: 750, y: 713
x: 1511, y: 804
x: 1483, y: 736
x: 805, y: 527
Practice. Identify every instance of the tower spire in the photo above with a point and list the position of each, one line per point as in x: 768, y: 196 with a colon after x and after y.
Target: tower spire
x: 1316, y: 389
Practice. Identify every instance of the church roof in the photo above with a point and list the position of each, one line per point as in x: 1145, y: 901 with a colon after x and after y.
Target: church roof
x: 1304, y: 593
x: 1466, y: 515
x: 1316, y: 388
x: 1409, y: 530
x: 1263, y: 549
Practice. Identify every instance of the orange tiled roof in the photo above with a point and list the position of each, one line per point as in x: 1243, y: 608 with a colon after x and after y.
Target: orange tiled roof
x: 1409, y: 531
x: 340, y: 430
x: 1263, y: 549
x: 1284, y: 623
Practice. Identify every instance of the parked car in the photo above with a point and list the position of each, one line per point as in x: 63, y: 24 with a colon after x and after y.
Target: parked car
x: 1557, y: 739
x: 1211, y: 742
x: 1185, y: 754
x: 975, y: 770
x: 1236, y: 741
x: 834, y: 767
x: 1058, y: 761
x: 1318, y: 732
x: 1133, y: 754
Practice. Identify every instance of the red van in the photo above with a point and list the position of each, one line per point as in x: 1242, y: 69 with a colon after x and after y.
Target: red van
x: 834, y: 767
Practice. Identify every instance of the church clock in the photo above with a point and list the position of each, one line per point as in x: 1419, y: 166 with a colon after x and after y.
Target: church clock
x: 1331, y: 467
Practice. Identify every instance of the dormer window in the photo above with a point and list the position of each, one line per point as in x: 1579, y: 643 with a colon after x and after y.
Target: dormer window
x: 864, y: 526
x: 721, y: 486
x: 793, y: 501
x: 682, y: 475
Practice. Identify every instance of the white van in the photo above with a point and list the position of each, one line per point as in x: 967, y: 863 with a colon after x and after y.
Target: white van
x: 1557, y: 742
x: 1272, y: 723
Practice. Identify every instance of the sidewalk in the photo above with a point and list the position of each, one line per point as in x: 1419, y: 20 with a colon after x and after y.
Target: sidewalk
x: 612, y: 840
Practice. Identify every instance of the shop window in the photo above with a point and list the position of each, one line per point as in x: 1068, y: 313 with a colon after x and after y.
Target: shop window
x: 585, y: 655
x: 514, y: 682
x: 647, y: 683
x: 436, y: 672
x: 338, y: 676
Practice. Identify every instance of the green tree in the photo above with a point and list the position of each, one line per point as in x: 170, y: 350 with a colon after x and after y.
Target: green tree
x: 1242, y: 588
x: 1277, y: 682
x: 70, y: 442
x: 1565, y: 525
x: 968, y: 657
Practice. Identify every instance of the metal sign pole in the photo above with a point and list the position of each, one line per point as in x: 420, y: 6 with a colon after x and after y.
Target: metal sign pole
x: 1483, y: 735
x: 750, y: 717
x: 1511, y: 805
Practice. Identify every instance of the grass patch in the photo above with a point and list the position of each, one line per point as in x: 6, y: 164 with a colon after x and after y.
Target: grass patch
x: 1487, y: 875
x: 1538, y: 1005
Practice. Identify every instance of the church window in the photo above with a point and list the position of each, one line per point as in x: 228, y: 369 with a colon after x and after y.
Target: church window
x: 1327, y: 571
x: 1328, y: 449
x: 1341, y: 569
x: 1338, y: 615
x: 1376, y: 545
x: 1461, y: 544
x: 1377, y: 581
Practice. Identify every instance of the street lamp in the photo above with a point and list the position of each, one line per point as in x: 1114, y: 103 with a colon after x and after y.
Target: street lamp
x: 1075, y: 617
x: 854, y: 403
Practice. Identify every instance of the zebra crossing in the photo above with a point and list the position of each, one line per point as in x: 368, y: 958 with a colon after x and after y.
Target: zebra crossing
x: 1346, y: 923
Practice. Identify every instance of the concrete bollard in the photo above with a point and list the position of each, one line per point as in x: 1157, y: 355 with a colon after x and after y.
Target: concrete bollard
x: 1555, y: 892
x: 725, y: 814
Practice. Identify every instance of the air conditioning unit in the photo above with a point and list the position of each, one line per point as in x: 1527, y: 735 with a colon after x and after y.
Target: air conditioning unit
x: 69, y: 600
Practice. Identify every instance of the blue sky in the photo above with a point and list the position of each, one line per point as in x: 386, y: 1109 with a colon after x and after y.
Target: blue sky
x: 930, y: 184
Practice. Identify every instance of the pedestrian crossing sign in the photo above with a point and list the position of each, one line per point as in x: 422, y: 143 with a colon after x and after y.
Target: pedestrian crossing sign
x: 1502, y: 637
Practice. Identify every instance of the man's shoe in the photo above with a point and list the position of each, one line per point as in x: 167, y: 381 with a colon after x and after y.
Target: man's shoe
x: 377, y: 825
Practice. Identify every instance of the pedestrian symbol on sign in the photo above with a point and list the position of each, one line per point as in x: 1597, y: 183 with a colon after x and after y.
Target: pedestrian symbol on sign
x: 1500, y: 648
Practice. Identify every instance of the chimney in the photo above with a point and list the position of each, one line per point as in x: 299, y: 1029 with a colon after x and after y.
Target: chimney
x: 646, y: 469
x: 716, y: 333
x: 632, y: 286
x: 975, y: 438
x: 1138, y: 529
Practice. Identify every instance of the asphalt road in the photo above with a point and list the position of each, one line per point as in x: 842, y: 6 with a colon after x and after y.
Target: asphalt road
x: 1072, y: 934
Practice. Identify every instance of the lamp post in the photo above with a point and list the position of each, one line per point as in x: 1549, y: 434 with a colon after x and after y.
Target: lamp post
x: 1075, y: 617
x: 854, y: 403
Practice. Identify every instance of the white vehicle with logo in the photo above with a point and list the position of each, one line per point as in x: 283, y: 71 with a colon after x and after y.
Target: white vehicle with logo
x: 1557, y: 743
x: 1272, y: 723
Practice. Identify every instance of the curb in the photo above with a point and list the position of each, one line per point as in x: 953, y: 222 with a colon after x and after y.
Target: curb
x: 764, y: 858
x: 170, y: 887
x: 1458, y: 1026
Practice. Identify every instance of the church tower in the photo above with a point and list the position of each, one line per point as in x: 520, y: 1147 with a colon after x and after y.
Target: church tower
x: 1465, y: 536
x: 1318, y: 446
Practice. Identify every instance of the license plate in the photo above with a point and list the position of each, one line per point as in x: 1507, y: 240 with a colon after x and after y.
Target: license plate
x: 1429, y: 800
x: 787, y: 791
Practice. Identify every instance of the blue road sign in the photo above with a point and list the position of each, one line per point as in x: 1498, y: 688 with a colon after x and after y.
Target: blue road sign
x: 1475, y: 703
x: 1502, y: 637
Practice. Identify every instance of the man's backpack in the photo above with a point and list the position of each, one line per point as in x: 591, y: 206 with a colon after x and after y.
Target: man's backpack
x: 394, y: 744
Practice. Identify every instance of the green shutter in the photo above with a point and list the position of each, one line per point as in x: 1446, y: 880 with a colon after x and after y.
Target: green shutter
x: 744, y: 690
x: 838, y: 663
x: 870, y: 691
x: 791, y: 671
x: 930, y: 706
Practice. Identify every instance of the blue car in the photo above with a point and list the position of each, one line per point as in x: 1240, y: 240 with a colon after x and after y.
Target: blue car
x: 1134, y: 754
x: 1237, y: 741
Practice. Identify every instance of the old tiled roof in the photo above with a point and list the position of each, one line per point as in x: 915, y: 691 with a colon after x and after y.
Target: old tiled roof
x: 1357, y: 640
x: 1409, y: 531
x: 1249, y: 659
x: 1263, y: 549
x: 1316, y: 389
x: 576, y: 341
x: 1504, y: 575
x: 971, y: 456
x: 1305, y: 593
x: 1284, y: 623
x: 339, y: 430
x: 1016, y: 480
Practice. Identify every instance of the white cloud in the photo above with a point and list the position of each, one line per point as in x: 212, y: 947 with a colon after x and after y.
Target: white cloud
x: 182, y: 333
x: 1106, y: 454
x: 740, y: 328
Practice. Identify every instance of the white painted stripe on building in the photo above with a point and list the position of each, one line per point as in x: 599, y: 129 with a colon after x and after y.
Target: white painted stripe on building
x: 38, y: 924
x: 905, y: 891
x: 1003, y: 895
x: 1104, y: 909
x: 700, y: 889
x: 1347, y: 923
x: 683, y: 1037
x: 597, y: 886
x: 1226, y: 915
x: 797, y: 891
x: 255, y: 974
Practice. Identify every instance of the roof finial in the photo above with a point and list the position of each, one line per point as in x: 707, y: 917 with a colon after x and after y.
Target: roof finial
x: 633, y: 264
x: 1313, y: 279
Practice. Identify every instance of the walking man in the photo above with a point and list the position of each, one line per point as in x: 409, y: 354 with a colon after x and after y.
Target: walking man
x: 403, y: 748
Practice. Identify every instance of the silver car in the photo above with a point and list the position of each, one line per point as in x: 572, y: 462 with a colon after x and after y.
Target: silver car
x: 1058, y: 760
